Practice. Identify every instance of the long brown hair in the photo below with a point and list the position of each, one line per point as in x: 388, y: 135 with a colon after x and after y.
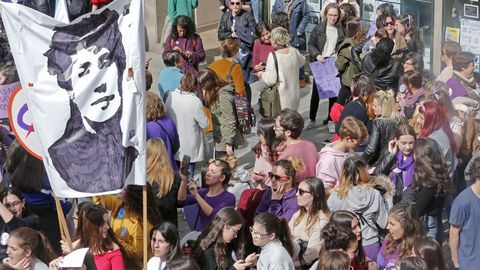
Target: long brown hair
x: 354, y: 173
x: 159, y: 169
x: 211, y: 84
x: 90, y: 223
x: 213, y: 236
x: 279, y: 226
x: 315, y: 186
x: 36, y: 242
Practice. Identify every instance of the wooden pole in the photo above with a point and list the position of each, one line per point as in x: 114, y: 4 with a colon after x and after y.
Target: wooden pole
x: 145, y: 227
x: 63, y: 224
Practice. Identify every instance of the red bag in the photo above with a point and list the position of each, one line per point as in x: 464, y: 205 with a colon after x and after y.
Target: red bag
x: 336, y: 112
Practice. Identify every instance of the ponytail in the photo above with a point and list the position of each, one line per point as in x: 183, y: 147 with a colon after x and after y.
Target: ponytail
x: 276, y: 225
x: 35, y: 241
x: 291, y: 165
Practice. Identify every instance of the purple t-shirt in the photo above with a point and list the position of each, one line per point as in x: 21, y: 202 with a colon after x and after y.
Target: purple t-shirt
x: 224, y: 199
x: 283, y: 208
x: 388, y: 261
x: 165, y: 129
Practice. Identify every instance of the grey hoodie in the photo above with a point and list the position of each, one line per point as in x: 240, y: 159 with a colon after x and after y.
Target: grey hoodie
x: 367, y: 201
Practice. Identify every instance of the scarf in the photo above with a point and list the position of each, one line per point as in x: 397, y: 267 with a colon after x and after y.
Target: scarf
x: 469, y: 84
x: 412, y: 99
x: 406, y: 166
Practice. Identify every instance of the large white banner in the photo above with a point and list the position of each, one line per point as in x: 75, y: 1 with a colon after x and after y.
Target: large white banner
x: 85, y: 86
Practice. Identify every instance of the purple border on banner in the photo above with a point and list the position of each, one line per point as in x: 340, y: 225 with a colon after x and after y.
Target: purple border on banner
x: 326, y: 77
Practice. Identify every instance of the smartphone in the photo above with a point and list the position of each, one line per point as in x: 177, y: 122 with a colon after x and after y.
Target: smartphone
x: 185, y: 164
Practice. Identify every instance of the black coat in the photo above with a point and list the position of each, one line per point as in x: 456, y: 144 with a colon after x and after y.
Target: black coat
x: 380, y: 135
x: 385, y: 77
x: 318, y: 37
x: 244, y: 28
x: 206, y: 259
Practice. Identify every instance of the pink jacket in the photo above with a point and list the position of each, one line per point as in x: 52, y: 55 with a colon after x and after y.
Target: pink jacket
x: 329, y: 166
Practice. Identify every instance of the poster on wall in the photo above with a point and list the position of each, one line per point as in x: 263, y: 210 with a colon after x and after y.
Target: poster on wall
x: 452, y: 34
x: 477, y: 63
x: 470, y: 11
x: 469, y: 37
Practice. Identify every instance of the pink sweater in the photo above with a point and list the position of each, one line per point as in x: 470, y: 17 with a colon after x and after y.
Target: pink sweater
x: 306, y: 151
x: 110, y: 260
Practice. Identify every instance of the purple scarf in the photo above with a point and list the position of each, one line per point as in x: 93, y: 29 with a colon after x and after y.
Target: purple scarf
x: 406, y: 166
x: 413, y: 99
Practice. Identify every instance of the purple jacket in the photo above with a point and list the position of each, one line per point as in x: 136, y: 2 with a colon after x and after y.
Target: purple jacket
x: 283, y: 208
x: 165, y: 129
x: 458, y: 90
x: 198, y: 53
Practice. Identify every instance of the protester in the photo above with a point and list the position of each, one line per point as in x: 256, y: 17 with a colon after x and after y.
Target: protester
x: 347, y: 12
x: 164, y: 180
x: 187, y: 42
x: 211, y: 199
x: 186, y: 110
x: 29, y: 249
x: 322, y: 44
x: 384, y: 69
x: 279, y: 199
x: 220, y: 246
x: 385, y: 9
x: 280, y: 19
x: 464, y: 217
x: 334, y: 260
x: 126, y: 221
x: 400, y: 46
x: 240, y: 25
x: 165, y: 245
x: 414, y: 263
x: 262, y: 47
x: 405, y: 27
x: 356, y: 194
x: 177, y: 8
x: 383, y: 126
x: 330, y: 159
x: 463, y: 83
x: 171, y: 75
x: 299, y: 17
x: 450, y: 50
x: 355, y: 33
x: 219, y: 99
x: 229, y: 66
x: 307, y: 223
x: 289, y: 61
x: 272, y: 235
x: 403, y: 227
x: 288, y: 127
x: 95, y: 234
x: 413, y: 81
x: 159, y: 125
x: 265, y: 152
x: 431, y: 251
x: 413, y: 61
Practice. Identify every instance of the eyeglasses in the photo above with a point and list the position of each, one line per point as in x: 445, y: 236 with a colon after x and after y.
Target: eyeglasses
x: 13, y: 204
x: 332, y: 15
x: 257, y: 234
x: 301, y: 191
x: 233, y: 229
x: 235, y: 3
x: 389, y: 23
x: 278, y: 177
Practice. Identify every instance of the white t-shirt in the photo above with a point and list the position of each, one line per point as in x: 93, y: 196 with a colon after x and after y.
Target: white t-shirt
x: 155, y: 263
x: 331, y: 42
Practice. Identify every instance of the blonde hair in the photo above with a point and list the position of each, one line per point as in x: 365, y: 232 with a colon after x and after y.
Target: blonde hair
x: 354, y: 173
x: 155, y: 108
x: 386, y: 99
x: 159, y: 169
x: 280, y: 36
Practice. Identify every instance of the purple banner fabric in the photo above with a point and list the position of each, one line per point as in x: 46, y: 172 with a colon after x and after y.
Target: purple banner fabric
x: 325, y: 74
x: 5, y: 92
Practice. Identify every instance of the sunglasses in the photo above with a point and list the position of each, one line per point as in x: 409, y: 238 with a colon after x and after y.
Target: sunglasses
x: 389, y: 23
x: 235, y: 3
x: 301, y: 191
x: 278, y: 177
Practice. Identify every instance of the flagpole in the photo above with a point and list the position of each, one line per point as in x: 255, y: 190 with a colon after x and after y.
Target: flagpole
x: 145, y: 227
x: 63, y: 224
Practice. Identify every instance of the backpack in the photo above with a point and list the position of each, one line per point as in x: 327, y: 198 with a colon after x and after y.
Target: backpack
x: 244, y: 114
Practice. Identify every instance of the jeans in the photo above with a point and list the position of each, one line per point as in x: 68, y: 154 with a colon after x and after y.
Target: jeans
x: 257, y: 9
x: 433, y: 226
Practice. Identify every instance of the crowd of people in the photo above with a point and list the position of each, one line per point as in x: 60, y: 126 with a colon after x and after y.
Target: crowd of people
x: 403, y: 155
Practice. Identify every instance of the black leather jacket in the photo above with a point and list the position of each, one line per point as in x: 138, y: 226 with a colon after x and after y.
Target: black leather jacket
x: 385, y: 77
x: 356, y: 52
x: 318, y: 37
x: 381, y: 133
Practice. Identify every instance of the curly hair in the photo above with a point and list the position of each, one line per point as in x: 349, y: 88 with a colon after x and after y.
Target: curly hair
x: 186, y: 23
x: 431, y: 170
x: 405, y: 214
x: 133, y: 203
x: 336, y: 236
x: 155, y: 107
x: 213, y: 237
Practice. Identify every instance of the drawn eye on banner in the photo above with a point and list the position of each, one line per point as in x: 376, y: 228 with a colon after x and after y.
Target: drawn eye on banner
x: 21, y: 122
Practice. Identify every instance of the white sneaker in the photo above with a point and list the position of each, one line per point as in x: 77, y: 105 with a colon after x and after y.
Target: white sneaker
x: 308, y: 124
x: 331, y: 127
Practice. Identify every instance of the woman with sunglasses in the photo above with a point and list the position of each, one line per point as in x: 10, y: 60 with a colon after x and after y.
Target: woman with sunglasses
x: 14, y: 215
x: 220, y: 245
x: 279, y: 199
x: 211, y: 199
x: 272, y: 235
x: 307, y: 223
x: 400, y: 43
x: 357, y: 194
